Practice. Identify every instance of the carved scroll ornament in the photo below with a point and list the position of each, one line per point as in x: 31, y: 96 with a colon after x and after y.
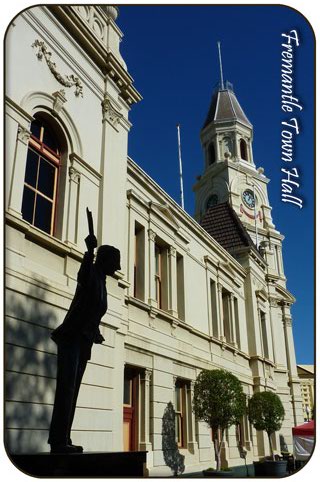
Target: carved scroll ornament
x: 66, y: 80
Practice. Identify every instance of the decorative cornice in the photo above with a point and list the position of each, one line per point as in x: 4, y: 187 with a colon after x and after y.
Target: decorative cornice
x: 89, y: 26
x: 66, y: 80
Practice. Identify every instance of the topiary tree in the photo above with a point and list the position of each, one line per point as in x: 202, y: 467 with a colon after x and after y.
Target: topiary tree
x: 266, y: 412
x: 220, y: 402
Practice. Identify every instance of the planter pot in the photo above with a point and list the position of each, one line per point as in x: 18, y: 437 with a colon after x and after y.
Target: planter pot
x: 270, y: 468
x: 217, y: 473
x: 258, y: 469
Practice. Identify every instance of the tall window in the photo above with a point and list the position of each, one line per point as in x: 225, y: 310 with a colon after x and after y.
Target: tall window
x: 180, y: 287
x: 213, y: 299
x: 41, y: 177
x: 243, y: 150
x: 211, y: 154
x: 236, y: 315
x: 161, y: 275
x: 181, y: 412
x: 264, y: 334
x: 158, y: 275
x: 226, y: 314
x: 139, y: 262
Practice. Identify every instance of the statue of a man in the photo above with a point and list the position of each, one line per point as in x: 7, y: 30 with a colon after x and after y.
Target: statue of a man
x: 75, y: 337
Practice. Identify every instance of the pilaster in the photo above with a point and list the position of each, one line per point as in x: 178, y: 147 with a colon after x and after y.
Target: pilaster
x: 145, y: 442
x: 192, y: 443
x: 73, y: 205
x: 19, y: 168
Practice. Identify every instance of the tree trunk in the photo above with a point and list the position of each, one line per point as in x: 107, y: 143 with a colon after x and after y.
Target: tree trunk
x: 217, y: 453
x: 270, y: 445
x: 217, y: 447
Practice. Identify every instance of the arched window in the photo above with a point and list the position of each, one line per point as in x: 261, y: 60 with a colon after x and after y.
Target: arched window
x: 212, y: 201
x: 243, y: 150
x: 211, y: 154
x: 41, y: 177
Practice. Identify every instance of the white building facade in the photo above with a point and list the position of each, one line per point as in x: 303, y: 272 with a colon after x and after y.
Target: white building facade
x: 182, y: 301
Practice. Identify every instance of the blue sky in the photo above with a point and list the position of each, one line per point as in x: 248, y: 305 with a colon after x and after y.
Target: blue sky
x: 172, y: 55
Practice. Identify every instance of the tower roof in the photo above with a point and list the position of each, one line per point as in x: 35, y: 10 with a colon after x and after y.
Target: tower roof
x: 223, y: 224
x: 225, y: 107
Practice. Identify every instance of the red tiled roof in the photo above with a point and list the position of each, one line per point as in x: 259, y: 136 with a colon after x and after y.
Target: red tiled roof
x: 223, y: 224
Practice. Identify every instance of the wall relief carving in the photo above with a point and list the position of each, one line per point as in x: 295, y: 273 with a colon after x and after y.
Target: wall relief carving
x: 66, y: 80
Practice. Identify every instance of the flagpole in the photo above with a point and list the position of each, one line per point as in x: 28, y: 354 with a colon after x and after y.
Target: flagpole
x: 220, y: 63
x: 180, y: 167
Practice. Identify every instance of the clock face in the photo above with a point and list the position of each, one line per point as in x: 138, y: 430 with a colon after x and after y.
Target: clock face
x: 248, y: 198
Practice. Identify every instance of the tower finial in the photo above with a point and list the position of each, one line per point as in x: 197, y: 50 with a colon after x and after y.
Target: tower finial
x: 220, y: 62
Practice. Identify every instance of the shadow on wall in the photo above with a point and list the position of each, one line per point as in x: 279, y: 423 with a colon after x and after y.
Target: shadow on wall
x: 283, y: 444
x: 30, y: 369
x: 173, y: 459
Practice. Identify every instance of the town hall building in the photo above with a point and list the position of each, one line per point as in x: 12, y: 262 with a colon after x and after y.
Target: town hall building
x: 193, y: 293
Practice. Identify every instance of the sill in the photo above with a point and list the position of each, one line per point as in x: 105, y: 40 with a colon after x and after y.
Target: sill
x: 44, y: 239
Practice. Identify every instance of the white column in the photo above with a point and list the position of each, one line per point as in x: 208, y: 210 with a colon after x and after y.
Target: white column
x: 152, y: 284
x: 18, y: 173
x: 173, y: 300
x: 216, y: 147
x: 73, y: 205
x: 145, y: 442
x: 237, y: 149
x: 233, y: 321
x: 131, y: 249
x: 250, y: 150
x: 294, y: 381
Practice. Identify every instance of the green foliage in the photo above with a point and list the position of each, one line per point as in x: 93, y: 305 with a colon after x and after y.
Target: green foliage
x: 266, y: 412
x: 218, y: 399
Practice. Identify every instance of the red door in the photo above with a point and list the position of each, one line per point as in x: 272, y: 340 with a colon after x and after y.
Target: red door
x: 129, y: 410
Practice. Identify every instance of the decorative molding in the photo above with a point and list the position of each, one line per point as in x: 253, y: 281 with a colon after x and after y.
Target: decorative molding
x: 59, y: 99
x: 287, y: 321
x: 172, y: 251
x: 23, y: 134
x: 274, y: 302
x: 66, y: 80
x: 152, y: 235
x: 74, y: 175
x: 147, y: 375
x: 110, y: 113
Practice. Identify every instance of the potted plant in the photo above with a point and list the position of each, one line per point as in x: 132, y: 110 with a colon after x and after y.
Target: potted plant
x: 266, y: 413
x: 220, y: 402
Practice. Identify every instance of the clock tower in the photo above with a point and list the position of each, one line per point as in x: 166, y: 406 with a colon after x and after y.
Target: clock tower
x: 232, y: 205
x: 231, y: 176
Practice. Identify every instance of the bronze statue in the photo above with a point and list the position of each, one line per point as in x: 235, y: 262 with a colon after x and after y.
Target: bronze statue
x: 76, y: 335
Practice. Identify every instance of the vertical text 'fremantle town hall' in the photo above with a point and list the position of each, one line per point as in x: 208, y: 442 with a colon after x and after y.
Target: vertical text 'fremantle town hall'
x: 192, y: 293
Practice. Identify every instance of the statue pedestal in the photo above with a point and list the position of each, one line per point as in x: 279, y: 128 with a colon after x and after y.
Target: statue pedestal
x: 86, y: 464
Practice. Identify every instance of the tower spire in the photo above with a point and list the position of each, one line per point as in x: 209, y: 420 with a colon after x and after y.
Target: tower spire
x: 220, y: 62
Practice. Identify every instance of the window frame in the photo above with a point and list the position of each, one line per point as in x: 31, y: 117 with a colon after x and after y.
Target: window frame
x: 47, y: 155
x: 243, y: 150
x: 181, y: 415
